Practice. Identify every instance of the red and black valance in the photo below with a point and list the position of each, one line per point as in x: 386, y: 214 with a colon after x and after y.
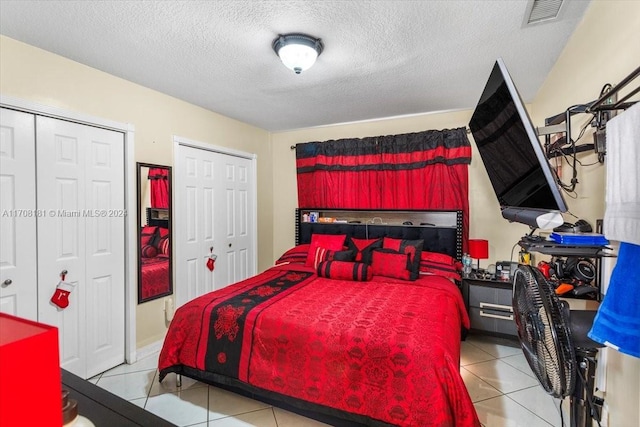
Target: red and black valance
x: 422, y: 170
x: 159, y: 179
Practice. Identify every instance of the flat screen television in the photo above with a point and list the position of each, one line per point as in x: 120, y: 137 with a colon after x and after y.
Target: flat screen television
x: 508, y: 143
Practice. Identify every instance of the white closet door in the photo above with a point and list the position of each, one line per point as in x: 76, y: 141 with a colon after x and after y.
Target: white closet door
x: 213, y: 209
x: 234, y: 229
x: 195, y: 195
x: 80, y: 186
x: 18, y: 263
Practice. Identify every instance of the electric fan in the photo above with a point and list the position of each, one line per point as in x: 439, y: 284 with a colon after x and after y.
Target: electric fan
x: 555, y: 343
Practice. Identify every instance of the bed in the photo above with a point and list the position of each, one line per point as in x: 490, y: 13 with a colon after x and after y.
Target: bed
x: 342, y: 341
x: 155, y: 264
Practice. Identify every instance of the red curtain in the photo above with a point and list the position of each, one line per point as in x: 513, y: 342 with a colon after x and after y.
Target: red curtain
x: 159, y: 180
x: 423, y: 170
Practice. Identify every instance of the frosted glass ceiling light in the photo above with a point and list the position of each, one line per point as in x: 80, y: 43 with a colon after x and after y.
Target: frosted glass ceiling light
x: 297, y: 52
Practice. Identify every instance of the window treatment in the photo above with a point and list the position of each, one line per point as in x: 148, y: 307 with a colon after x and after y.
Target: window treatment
x: 159, y: 180
x: 422, y: 170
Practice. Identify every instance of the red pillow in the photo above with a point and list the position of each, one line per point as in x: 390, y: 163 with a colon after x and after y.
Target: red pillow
x: 323, y: 254
x: 163, y: 246
x: 413, y: 248
x: 148, y: 251
x: 332, y: 242
x: 363, y: 248
x: 297, y: 254
x: 390, y: 263
x: 440, y: 264
x: 148, y: 236
x: 345, y: 270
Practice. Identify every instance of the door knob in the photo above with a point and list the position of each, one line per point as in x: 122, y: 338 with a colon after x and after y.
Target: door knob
x: 7, y: 282
x: 229, y: 244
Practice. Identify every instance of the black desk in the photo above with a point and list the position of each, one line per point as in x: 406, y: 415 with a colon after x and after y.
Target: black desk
x: 105, y: 409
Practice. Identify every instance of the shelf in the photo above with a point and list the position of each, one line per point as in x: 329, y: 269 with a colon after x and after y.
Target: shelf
x: 551, y: 248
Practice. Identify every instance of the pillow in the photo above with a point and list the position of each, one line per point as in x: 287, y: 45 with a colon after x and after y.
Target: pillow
x: 440, y: 264
x: 413, y: 248
x: 345, y: 270
x: 390, y: 263
x: 163, y: 232
x: 332, y: 242
x: 296, y: 255
x: 163, y: 245
x: 363, y: 248
x: 148, y: 235
x: 323, y: 254
x: 148, y: 251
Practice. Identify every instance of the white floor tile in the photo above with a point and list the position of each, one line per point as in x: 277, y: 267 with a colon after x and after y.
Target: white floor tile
x: 182, y: 408
x: 470, y: 353
x: 260, y: 418
x: 146, y: 364
x: 223, y: 403
x: 495, y: 346
x: 168, y: 385
x: 139, y: 402
x: 478, y: 389
x: 504, y: 412
x: 519, y: 362
x: 502, y: 376
x: 540, y: 403
x: 289, y: 419
x: 129, y: 386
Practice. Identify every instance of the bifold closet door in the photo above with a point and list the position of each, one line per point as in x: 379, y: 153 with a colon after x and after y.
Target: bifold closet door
x: 18, y: 268
x: 213, y: 210
x: 80, y: 182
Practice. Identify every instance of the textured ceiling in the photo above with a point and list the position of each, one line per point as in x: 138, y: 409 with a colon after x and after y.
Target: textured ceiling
x: 381, y: 58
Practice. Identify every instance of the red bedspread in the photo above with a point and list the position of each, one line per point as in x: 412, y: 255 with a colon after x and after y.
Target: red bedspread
x: 155, y: 276
x: 386, y: 349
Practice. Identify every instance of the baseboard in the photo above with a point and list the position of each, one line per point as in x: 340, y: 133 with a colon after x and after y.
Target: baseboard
x: 149, y: 349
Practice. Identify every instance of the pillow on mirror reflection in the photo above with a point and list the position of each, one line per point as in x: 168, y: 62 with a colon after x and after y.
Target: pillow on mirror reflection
x: 149, y: 251
x: 163, y: 246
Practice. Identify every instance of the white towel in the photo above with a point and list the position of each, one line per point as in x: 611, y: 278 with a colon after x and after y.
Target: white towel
x: 622, y: 194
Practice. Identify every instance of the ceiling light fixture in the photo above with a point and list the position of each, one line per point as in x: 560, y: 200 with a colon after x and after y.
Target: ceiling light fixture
x: 297, y: 51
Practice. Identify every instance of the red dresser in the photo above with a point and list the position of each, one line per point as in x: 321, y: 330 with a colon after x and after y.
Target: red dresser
x: 30, y: 378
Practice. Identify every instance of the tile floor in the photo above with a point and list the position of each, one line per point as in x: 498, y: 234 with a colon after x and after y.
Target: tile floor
x: 500, y: 383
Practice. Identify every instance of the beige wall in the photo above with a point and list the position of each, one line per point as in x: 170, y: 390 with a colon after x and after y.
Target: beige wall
x: 35, y: 75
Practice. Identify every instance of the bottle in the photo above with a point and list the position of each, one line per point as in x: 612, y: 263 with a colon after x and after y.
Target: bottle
x: 466, y: 265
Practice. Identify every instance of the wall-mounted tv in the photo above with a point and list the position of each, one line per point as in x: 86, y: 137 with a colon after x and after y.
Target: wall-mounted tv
x: 508, y: 143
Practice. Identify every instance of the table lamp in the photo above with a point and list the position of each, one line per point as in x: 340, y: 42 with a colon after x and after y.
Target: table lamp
x: 479, y: 249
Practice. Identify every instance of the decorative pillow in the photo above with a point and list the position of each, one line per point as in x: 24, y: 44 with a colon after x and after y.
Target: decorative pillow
x: 163, y: 232
x: 163, y: 245
x: 148, y: 235
x: 363, y: 248
x: 440, y: 264
x: 345, y: 270
x: 332, y: 242
x: 323, y: 254
x: 390, y: 263
x: 295, y: 255
x: 413, y: 248
x: 148, y: 251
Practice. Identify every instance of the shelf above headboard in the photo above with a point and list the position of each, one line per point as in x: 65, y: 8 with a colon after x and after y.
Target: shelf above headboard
x: 440, y: 230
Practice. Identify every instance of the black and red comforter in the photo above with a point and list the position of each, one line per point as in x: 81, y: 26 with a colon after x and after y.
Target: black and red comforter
x: 386, y: 349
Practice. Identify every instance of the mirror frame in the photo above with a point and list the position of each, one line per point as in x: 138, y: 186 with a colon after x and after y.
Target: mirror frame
x: 139, y: 166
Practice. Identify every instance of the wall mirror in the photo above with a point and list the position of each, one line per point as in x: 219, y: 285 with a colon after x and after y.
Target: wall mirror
x: 155, y: 276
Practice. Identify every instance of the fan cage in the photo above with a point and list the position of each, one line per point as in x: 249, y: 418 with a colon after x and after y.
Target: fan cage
x: 543, y: 331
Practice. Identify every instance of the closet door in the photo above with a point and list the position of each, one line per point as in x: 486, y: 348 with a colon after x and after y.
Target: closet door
x: 233, y: 234
x: 214, y: 208
x: 18, y: 272
x: 81, y: 187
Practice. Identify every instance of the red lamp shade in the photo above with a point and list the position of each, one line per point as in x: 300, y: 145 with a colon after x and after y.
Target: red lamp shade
x: 479, y: 248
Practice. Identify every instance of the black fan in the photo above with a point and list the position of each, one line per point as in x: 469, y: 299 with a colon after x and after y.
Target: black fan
x: 555, y: 343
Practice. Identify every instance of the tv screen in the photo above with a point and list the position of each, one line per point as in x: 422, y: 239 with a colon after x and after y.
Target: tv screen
x: 510, y: 149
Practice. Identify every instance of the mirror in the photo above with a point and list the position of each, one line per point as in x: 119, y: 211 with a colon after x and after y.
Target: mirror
x: 155, y: 276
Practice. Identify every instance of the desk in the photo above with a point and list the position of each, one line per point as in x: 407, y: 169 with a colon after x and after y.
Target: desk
x: 105, y: 409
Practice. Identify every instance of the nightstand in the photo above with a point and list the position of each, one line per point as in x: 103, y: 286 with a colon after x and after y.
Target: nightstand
x: 488, y: 303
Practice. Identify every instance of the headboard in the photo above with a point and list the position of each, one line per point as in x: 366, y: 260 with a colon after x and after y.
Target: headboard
x: 440, y: 230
